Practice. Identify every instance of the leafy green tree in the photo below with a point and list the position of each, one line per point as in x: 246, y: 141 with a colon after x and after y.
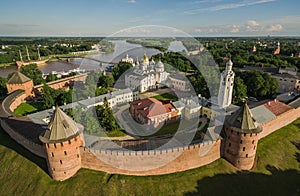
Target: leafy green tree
x: 105, y: 81
x: 90, y: 122
x: 260, y: 85
x: 106, y: 117
x: 51, y: 77
x: 239, y: 90
x: 120, y: 69
x: 32, y: 72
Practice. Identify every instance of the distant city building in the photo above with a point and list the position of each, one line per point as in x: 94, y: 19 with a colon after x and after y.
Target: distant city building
x: 254, y: 49
x: 128, y: 59
x: 277, y: 50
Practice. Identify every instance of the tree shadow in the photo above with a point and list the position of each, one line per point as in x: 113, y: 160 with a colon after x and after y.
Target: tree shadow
x: 297, y: 154
x: 7, y: 141
x: 248, y: 183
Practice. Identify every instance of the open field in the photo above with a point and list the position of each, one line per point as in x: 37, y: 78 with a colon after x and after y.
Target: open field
x: 277, y: 173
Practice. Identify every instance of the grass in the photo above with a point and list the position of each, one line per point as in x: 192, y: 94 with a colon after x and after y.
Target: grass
x: 166, y: 96
x: 115, y: 133
x: 24, y: 108
x: 168, y: 129
x: 277, y: 173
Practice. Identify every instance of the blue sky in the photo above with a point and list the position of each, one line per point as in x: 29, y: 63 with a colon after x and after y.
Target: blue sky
x: 104, y: 17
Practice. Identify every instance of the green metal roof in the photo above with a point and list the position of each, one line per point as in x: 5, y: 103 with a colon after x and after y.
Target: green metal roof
x: 18, y: 78
x: 242, y: 121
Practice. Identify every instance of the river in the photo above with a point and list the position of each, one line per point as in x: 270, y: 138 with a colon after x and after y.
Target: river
x: 121, y: 49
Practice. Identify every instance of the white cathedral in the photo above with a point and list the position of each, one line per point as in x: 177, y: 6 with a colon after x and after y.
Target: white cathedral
x: 146, y: 75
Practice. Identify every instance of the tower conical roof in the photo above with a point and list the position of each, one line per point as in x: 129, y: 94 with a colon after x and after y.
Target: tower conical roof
x: 18, y: 78
x: 242, y: 121
x: 61, y: 128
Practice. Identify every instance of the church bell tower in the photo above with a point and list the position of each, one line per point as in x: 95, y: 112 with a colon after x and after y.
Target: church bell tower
x: 226, y: 86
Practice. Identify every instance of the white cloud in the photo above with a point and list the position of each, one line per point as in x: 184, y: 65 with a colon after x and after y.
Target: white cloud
x: 131, y: 1
x: 228, y: 6
x: 247, y: 28
x: 234, y: 29
x: 274, y: 28
x: 252, y: 23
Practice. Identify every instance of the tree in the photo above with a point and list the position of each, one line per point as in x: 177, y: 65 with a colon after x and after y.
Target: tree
x: 106, y: 117
x: 259, y: 84
x: 33, y: 73
x: 105, y: 81
x: 239, y: 90
x: 120, y: 69
x: 51, y: 77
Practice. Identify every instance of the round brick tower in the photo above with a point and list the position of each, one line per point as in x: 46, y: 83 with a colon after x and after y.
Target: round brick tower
x: 62, y: 139
x: 241, y: 138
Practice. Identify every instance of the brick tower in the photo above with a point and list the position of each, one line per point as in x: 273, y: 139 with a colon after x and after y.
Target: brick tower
x: 20, y: 81
x: 62, y: 139
x: 241, y: 138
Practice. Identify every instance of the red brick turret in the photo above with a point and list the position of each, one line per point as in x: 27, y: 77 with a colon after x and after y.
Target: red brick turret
x: 20, y: 81
x: 62, y: 139
x: 241, y: 138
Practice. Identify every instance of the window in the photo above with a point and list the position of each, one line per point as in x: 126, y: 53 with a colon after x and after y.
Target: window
x: 62, y: 144
x: 65, y: 152
x: 69, y: 141
x: 229, y: 144
x: 77, y: 155
x: 75, y: 139
x: 250, y: 134
x: 254, y: 148
x: 52, y: 154
x: 244, y: 134
x: 54, y: 145
x: 253, y: 142
x: 60, y: 161
x: 244, y: 148
x: 241, y: 141
x: 237, y: 133
x: 47, y: 145
x: 246, y: 155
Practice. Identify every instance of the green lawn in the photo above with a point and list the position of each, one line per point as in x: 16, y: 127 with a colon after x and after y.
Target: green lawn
x: 166, y: 96
x: 24, y: 108
x: 115, y: 133
x: 168, y: 129
x: 277, y: 173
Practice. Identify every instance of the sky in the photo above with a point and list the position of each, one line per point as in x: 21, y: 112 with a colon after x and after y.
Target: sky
x: 105, y: 17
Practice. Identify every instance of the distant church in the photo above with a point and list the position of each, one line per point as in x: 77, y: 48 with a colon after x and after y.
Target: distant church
x: 146, y: 75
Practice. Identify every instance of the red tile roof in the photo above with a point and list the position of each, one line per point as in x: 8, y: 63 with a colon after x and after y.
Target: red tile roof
x: 150, y: 107
x: 277, y: 107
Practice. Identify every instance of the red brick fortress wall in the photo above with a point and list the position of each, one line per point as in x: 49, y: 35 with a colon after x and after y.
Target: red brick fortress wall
x: 140, y: 162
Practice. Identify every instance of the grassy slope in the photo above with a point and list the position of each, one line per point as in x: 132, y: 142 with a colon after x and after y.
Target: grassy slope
x: 277, y: 173
x: 24, y: 108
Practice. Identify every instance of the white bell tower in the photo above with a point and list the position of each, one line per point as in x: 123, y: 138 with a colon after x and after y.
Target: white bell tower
x: 226, y: 86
